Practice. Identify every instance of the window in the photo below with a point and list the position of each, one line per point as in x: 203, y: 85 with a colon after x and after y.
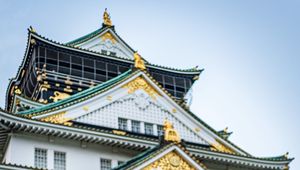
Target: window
x: 122, y: 124
x: 105, y: 164
x: 148, y: 128
x: 59, y: 160
x: 160, y: 130
x: 40, y: 158
x: 135, y: 126
x: 120, y: 162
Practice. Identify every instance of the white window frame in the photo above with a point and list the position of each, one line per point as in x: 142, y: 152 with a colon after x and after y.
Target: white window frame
x: 136, y: 129
x: 123, y: 125
x: 40, y: 164
x: 151, y: 132
x: 65, y: 160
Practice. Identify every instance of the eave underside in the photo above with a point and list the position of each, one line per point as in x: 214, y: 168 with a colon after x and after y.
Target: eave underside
x: 135, y: 142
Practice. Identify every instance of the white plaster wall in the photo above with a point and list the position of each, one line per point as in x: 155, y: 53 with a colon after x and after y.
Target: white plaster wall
x: 77, y: 157
x: 138, y: 107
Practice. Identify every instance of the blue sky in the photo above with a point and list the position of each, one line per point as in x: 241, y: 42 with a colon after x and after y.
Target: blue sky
x: 249, y: 50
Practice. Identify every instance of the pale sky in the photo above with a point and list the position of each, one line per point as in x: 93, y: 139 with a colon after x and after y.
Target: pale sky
x: 249, y: 50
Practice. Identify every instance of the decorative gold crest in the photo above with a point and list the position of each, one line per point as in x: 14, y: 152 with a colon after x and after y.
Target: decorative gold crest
x: 59, y: 96
x: 170, y: 133
x: 140, y: 83
x: 171, y: 161
x: 108, y: 36
x: 138, y: 61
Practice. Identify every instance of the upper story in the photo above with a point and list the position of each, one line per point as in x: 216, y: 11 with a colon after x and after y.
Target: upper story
x: 51, y: 69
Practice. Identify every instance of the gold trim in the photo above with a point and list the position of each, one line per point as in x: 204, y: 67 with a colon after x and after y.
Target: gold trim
x: 58, y: 118
x: 32, y: 41
x: 68, y: 89
x: 196, y: 78
x: 197, y: 129
x: 59, y: 96
x: 68, y: 81
x: 174, y: 110
x: 85, y: 108
x: 109, y: 98
x: 221, y: 148
x: 119, y: 132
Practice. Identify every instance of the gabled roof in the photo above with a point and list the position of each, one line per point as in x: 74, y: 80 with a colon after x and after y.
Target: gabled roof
x: 155, y: 154
x: 95, y: 34
x: 70, y: 46
x: 54, y: 108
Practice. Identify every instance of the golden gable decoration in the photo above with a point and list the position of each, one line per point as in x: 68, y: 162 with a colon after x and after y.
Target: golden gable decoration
x: 58, y: 118
x: 171, y: 161
x: 170, y: 133
x: 141, y: 83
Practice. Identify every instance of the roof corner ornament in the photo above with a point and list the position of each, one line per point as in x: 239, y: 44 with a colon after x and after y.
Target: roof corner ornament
x: 171, y: 134
x: 138, y: 61
x: 17, y: 90
x: 106, y: 18
x: 31, y: 29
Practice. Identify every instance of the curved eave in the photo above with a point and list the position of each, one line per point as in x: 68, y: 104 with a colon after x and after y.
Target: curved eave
x: 101, y: 88
x: 96, y: 33
x: 22, y: 124
x: 18, y: 75
x: 191, y: 71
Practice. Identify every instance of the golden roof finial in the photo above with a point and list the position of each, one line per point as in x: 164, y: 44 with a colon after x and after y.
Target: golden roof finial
x: 106, y: 18
x: 170, y: 133
x: 138, y: 61
x: 286, y: 155
x: 226, y: 130
x: 31, y: 29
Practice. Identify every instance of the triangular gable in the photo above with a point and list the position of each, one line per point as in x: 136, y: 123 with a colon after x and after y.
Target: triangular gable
x: 168, y: 157
x: 143, y: 100
x: 106, y: 41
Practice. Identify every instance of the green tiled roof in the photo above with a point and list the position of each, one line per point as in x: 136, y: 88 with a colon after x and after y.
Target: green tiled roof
x: 87, y: 37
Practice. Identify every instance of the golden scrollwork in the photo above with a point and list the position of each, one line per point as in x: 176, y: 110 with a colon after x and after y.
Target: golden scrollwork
x: 141, y: 83
x: 68, y: 81
x: 106, y: 18
x: 138, y: 61
x: 171, y: 161
x: 58, y: 118
x: 59, y: 96
x: 108, y: 36
x: 18, y: 91
x: 221, y: 148
x: 43, y: 101
x: 170, y: 133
